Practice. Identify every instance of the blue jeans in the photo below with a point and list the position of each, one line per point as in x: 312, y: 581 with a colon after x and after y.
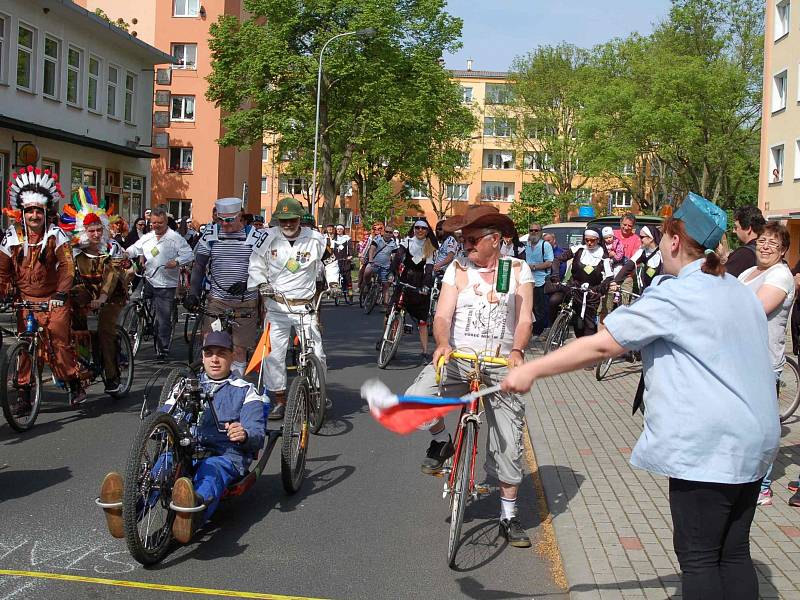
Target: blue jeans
x: 163, y: 300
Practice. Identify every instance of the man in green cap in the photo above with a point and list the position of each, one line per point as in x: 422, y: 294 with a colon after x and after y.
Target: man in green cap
x: 286, y: 259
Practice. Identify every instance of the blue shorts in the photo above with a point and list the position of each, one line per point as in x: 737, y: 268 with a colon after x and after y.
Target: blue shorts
x: 382, y: 273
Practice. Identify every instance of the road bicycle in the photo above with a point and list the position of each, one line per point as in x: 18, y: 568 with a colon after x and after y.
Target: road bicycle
x: 789, y: 389
x: 369, y: 294
x: 344, y: 294
x: 396, y: 324
x: 436, y: 290
x: 307, y: 390
x: 22, y: 365
x: 560, y: 328
x: 138, y: 320
x: 602, y: 368
x: 166, y: 448
x: 225, y: 321
x: 459, y: 470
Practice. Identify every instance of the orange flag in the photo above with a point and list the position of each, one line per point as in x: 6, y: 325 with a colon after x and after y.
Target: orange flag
x: 262, y: 349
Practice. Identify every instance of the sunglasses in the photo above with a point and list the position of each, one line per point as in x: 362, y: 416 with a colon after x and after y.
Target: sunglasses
x: 473, y: 241
x: 420, y: 228
x: 534, y: 230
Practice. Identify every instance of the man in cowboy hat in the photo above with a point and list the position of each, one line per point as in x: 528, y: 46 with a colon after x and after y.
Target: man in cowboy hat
x: 473, y: 316
x: 286, y: 260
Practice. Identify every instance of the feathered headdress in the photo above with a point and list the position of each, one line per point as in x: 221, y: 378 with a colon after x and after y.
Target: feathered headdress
x: 83, y: 210
x: 32, y: 187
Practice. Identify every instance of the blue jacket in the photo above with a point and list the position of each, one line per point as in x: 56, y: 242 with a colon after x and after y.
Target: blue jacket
x: 234, y: 400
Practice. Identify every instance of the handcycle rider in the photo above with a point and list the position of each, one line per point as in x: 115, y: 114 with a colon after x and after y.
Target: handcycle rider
x: 471, y: 315
x: 36, y: 263
x: 239, y: 406
x: 283, y: 266
x: 100, y: 281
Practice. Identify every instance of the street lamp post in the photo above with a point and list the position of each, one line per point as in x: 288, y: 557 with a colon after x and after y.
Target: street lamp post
x: 362, y: 33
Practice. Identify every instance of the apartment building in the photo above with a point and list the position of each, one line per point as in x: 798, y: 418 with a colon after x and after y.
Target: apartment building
x: 191, y: 170
x: 76, y: 98
x: 779, y: 178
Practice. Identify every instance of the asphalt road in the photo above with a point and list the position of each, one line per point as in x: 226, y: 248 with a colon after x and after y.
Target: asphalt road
x: 366, y: 523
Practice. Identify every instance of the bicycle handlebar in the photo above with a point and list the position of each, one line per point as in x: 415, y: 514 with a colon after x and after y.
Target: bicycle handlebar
x: 281, y: 297
x: 470, y: 356
x: 27, y: 305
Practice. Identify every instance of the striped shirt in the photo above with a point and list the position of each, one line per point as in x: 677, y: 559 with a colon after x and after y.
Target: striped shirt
x: 229, y: 258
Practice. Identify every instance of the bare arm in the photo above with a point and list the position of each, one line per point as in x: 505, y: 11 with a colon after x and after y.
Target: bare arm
x: 771, y: 297
x: 580, y: 353
x: 443, y: 320
x: 522, y: 334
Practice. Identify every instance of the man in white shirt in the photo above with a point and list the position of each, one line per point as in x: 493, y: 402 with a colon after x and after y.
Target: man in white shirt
x: 164, y: 251
x: 286, y: 260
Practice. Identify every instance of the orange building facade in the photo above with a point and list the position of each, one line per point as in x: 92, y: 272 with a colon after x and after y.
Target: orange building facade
x: 192, y: 170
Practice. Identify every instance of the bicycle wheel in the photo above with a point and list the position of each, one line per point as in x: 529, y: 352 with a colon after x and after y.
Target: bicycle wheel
x: 789, y: 389
x: 558, y: 333
x: 187, y: 330
x: 316, y: 393
x: 602, y: 369
x: 294, y: 443
x: 391, y: 338
x: 125, y: 363
x: 458, y: 495
x: 21, y: 402
x: 154, y: 464
x: 195, y: 349
x: 130, y: 320
x: 372, y: 298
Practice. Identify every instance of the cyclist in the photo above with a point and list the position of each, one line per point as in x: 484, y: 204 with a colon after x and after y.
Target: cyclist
x: 100, y: 281
x: 222, y: 257
x: 363, y: 251
x: 239, y: 406
x: 472, y: 315
x: 379, y: 260
x: 286, y: 260
x: 36, y: 262
x: 164, y: 251
x: 416, y: 255
x: 446, y: 252
x: 646, y: 262
x: 344, y: 255
x: 591, y: 265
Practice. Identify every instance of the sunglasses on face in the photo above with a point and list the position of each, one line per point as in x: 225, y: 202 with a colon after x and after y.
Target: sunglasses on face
x: 420, y: 228
x: 534, y: 230
x: 227, y: 219
x: 473, y: 241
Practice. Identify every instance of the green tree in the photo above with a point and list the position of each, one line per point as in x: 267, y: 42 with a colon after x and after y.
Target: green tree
x: 264, y: 76
x: 548, y: 88
x: 537, y: 204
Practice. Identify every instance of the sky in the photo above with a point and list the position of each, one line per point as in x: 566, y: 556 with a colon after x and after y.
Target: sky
x: 497, y: 31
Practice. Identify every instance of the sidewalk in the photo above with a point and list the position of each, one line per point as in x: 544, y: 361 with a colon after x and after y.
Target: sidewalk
x: 612, y: 521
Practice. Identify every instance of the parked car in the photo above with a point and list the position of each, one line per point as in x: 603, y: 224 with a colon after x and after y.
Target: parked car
x: 613, y: 222
x: 568, y: 234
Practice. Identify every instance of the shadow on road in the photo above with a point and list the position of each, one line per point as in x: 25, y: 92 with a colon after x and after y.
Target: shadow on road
x: 19, y: 484
x: 557, y: 477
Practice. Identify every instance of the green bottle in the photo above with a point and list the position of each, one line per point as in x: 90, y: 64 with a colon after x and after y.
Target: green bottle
x: 503, y: 275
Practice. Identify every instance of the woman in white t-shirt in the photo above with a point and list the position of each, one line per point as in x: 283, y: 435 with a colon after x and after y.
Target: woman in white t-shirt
x: 773, y: 283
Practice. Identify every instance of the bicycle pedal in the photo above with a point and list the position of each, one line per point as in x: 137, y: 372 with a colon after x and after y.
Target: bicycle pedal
x: 481, y: 489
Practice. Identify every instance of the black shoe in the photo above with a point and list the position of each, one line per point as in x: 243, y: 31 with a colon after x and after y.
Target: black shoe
x: 22, y: 406
x: 112, y: 386
x: 438, y: 453
x: 795, y: 500
x: 378, y: 344
x: 161, y: 356
x: 277, y: 412
x: 424, y: 358
x: 515, y: 535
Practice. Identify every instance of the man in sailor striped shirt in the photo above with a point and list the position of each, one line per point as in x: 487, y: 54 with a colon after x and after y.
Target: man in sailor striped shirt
x: 222, y: 257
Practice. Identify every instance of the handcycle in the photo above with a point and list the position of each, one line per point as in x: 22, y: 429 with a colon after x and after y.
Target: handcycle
x: 459, y: 469
x: 138, y: 319
x: 165, y: 449
x: 560, y: 328
x: 396, y: 324
x: 307, y: 390
x: 226, y: 321
x: 22, y: 365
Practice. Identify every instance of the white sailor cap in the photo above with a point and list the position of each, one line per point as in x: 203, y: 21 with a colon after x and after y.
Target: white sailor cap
x: 227, y: 206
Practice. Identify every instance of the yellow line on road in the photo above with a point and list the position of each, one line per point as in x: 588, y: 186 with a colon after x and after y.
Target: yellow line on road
x: 181, y: 589
x: 547, y: 545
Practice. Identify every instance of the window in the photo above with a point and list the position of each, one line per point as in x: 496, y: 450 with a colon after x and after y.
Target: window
x: 263, y: 185
x: 779, y: 86
x: 180, y: 159
x: 583, y: 196
x: 186, y: 8
x: 797, y: 159
x: 264, y: 153
x: 74, y: 74
x: 292, y: 185
x: 111, y: 91
x: 498, y: 93
x: 416, y: 193
x: 132, y: 204
x: 180, y: 208
x: 458, y: 191
x: 3, y: 46
x: 25, y: 41
x: 536, y: 161
x: 498, y: 159
x: 94, y: 82
x: 130, y: 94
x: 497, y: 127
x: 183, y: 108
x: 776, y: 164
x: 185, y: 55
x: 621, y: 199
x: 626, y: 169
x: 51, y: 67
x: 497, y: 191
x: 466, y: 94
x: 464, y: 160
x: 781, y: 19
x: 84, y: 176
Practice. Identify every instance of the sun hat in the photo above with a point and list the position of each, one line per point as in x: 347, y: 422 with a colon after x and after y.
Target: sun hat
x: 480, y: 216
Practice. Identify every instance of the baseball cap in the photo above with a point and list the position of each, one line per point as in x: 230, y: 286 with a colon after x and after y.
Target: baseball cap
x: 220, y: 339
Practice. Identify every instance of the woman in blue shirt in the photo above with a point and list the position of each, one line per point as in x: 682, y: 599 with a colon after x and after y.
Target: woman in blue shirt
x: 711, y: 423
